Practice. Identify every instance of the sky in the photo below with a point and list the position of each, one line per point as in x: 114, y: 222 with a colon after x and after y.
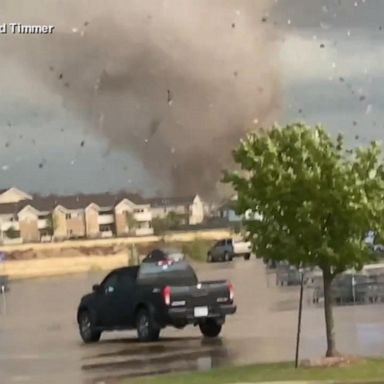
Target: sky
x: 329, y: 60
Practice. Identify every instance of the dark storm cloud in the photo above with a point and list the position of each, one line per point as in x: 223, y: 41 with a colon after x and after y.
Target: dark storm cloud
x: 155, y: 78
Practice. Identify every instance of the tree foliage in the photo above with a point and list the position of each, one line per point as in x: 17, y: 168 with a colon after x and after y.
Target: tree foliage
x: 317, y: 199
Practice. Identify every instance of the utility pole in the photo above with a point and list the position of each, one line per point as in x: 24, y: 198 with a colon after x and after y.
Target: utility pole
x: 301, y: 270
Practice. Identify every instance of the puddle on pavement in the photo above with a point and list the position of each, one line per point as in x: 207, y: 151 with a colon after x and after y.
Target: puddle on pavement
x: 176, y: 356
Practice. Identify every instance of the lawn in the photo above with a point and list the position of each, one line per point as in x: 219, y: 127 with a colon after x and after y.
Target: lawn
x: 368, y: 370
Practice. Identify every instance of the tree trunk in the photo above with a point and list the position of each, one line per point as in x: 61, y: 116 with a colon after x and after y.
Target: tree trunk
x: 328, y: 313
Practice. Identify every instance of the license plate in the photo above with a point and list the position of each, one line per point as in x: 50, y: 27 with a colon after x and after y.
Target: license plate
x: 201, y: 311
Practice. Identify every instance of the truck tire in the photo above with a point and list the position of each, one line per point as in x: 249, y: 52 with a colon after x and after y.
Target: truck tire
x: 247, y: 256
x: 210, y: 328
x: 227, y: 257
x: 146, y: 329
x: 86, y: 328
x: 209, y: 258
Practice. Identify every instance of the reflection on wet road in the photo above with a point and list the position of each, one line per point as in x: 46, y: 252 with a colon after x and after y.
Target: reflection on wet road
x: 40, y: 344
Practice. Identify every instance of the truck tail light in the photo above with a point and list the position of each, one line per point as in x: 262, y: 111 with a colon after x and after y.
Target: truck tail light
x: 231, y: 291
x: 167, y: 295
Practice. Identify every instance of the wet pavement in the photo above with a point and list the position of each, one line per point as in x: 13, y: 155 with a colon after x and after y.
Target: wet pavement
x: 39, y: 342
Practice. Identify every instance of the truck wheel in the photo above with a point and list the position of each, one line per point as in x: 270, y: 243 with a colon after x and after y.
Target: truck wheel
x: 146, y: 330
x: 247, y: 256
x: 209, y: 258
x: 86, y: 328
x: 210, y: 328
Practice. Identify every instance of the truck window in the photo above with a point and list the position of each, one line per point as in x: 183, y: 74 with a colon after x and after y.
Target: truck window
x: 127, y: 279
x: 177, y: 274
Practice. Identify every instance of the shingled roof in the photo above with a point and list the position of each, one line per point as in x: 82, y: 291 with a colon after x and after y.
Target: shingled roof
x: 80, y: 201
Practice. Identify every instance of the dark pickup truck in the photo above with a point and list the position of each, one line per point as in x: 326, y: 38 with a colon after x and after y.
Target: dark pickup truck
x: 152, y: 296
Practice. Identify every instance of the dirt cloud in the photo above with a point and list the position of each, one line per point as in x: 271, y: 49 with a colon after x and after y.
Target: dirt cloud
x: 174, y: 82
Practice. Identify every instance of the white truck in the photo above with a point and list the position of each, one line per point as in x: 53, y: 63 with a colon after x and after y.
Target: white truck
x: 227, y: 249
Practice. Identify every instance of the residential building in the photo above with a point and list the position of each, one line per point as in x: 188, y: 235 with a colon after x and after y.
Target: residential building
x: 191, y: 208
x: 27, y: 218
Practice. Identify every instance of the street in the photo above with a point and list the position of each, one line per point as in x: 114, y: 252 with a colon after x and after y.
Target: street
x: 40, y: 343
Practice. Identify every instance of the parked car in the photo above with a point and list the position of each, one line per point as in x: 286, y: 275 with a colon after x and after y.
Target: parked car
x: 164, y: 254
x: 227, y: 249
x: 151, y: 297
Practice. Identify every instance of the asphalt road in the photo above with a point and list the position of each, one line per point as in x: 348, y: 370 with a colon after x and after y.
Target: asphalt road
x: 39, y: 342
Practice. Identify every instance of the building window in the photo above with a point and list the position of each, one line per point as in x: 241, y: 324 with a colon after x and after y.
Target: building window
x: 67, y: 216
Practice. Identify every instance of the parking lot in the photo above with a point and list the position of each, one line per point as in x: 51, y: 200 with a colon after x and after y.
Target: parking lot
x: 40, y: 343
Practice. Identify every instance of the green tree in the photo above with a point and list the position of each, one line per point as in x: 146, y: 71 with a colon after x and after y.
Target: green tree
x: 316, y: 200
x: 51, y: 224
x: 174, y: 220
x: 12, y: 233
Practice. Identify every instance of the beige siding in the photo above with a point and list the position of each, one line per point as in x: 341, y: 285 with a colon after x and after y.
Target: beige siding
x: 121, y: 223
x: 76, y: 225
x: 60, y: 224
x: 29, y: 231
x: 92, y: 222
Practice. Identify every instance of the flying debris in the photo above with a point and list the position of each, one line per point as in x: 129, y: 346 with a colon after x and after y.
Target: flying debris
x: 42, y: 163
x: 362, y: 98
x: 354, y: 123
x: 7, y: 144
x: 86, y: 23
x: 169, y: 97
x: 235, y: 73
x: 341, y: 79
x: 322, y: 45
x: 82, y: 143
x: 155, y: 124
x: 357, y: 137
x: 60, y: 76
x: 233, y: 25
x: 264, y: 19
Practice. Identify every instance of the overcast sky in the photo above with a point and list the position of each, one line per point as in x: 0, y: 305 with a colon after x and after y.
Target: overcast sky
x: 330, y: 59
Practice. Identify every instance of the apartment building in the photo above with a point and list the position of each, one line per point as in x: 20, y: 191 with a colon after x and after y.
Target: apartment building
x: 191, y: 208
x: 27, y: 218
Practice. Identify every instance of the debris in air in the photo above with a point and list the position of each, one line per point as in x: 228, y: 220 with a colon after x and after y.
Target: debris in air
x: 354, y: 123
x: 264, y: 19
x: 235, y: 73
x: 322, y: 45
x: 233, y: 25
x: 169, y: 97
x: 86, y: 23
x: 60, y: 76
x: 82, y: 143
x: 341, y: 79
x: 362, y: 98
x: 357, y: 137
x: 42, y: 163
x: 7, y: 144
